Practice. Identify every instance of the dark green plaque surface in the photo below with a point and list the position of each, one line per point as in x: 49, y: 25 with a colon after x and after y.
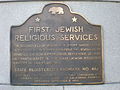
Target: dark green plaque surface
x: 56, y: 47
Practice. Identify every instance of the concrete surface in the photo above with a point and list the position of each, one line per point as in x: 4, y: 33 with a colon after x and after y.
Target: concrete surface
x: 106, y: 14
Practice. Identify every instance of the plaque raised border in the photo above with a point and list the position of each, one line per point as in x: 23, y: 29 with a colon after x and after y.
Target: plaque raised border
x: 56, y: 9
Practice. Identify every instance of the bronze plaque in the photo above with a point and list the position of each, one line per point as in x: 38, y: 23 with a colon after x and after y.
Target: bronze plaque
x: 56, y: 47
